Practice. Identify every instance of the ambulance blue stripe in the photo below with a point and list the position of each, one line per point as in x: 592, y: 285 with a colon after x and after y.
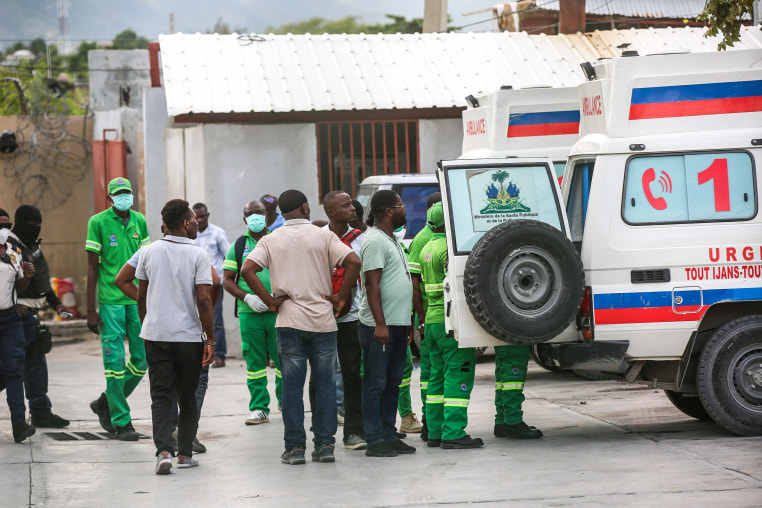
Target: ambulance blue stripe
x: 664, y: 298
x: 706, y: 91
x: 544, y: 117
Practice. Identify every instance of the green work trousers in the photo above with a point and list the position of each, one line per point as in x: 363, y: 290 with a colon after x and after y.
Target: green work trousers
x: 510, y: 373
x: 120, y: 321
x: 257, y: 338
x: 450, y: 384
x: 425, y: 368
x: 404, y: 402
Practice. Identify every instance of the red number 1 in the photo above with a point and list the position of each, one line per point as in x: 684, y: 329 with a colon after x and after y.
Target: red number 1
x: 718, y: 171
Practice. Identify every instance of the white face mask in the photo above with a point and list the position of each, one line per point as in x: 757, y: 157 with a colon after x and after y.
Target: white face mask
x: 399, y: 233
x: 4, y: 235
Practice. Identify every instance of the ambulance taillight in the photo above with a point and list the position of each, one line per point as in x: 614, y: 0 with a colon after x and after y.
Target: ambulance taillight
x: 585, y: 316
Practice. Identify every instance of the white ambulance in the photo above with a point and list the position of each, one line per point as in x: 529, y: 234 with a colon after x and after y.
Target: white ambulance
x: 662, y: 197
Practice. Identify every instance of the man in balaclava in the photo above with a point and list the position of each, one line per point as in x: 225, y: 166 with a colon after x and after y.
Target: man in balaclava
x: 27, y: 222
x: 113, y: 236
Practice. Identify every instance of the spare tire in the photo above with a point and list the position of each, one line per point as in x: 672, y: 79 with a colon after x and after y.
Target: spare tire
x: 524, y: 282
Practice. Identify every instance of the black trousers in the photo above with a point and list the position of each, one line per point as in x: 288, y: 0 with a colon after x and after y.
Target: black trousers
x: 174, y: 368
x: 350, y: 360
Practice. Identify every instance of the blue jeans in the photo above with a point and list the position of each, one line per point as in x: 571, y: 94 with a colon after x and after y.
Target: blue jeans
x: 12, y: 365
x: 220, y: 345
x: 35, y: 370
x: 383, y: 367
x: 296, y: 348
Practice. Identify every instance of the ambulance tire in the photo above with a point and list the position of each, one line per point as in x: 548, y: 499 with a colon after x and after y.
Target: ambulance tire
x: 543, y: 362
x: 688, y: 405
x: 541, y: 282
x: 729, y: 376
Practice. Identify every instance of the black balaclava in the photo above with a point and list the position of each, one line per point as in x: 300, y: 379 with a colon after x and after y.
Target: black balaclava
x: 26, y: 232
x: 8, y: 225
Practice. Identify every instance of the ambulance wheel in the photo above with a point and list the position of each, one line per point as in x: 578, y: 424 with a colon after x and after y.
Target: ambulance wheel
x: 689, y: 404
x: 524, y: 282
x: 729, y: 376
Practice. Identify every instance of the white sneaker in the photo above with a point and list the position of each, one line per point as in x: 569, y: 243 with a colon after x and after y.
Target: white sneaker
x: 164, y: 463
x: 339, y: 420
x: 257, y: 417
x: 183, y: 461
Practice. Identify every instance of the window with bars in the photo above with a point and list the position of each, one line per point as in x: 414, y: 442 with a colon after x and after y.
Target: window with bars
x: 351, y: 151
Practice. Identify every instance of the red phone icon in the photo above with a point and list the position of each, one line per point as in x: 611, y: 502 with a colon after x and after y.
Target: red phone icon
x: 648, y: 177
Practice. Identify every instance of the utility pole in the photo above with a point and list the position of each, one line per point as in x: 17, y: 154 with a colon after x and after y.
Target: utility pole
x: 435, y: 16
x: 171, y: 22
x: 571, y: 16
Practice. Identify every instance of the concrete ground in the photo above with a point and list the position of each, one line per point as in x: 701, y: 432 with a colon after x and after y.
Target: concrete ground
x: 606, y: 444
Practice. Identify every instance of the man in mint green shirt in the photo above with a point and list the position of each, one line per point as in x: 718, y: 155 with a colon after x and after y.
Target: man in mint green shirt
x: 384, y: 322
x: 256, y: 321
x: 113, y: 236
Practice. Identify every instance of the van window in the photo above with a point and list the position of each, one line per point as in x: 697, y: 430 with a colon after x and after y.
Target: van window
x: 579, y: 194
x: 698, y: 187
x: 414, y: 197
x: 483, y: 197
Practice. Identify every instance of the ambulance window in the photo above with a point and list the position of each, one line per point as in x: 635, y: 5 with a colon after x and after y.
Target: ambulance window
x: 483, y: 197
x: 414, y: 197
x: 698, y: 187
x: 559, y: 166
x: 579, y: 194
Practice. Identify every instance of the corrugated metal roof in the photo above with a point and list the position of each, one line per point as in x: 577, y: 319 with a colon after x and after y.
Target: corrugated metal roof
x: 675, y: 9
x: 300, y: 73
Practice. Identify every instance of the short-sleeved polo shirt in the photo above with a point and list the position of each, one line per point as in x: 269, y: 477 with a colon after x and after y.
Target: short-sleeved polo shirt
x: 379, y: 250
x: 433, y: 269
x: 115, y: 244
x: 231, y: 264
x: 421, y: 239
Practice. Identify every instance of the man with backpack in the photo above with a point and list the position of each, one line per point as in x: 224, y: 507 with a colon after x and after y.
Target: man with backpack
x: 257, y: 322
x: 340, y: 211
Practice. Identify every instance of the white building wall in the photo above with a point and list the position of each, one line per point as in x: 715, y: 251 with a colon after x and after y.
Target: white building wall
x: 155, y: 123
x: 438, y: 139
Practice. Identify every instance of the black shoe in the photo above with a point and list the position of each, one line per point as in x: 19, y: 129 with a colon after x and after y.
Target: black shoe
x: 400, y: 447
x: 517, y: 431
x: 462, y: 443
x: 433, y: 443
x: 424, y: 430
x: 21, y: 431
x: 127, y: 433
x: 380, y: 450
x: 50, y: 421
x: 100, y: 408
x: 401, y: 435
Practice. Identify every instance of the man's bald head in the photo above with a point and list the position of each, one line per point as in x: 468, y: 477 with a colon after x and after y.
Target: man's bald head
x: 432, y: 199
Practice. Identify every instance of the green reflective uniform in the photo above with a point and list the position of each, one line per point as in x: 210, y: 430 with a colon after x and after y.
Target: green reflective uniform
x: 115, y: 242
x: 510, y: 373
x: 452, y: 368
x: 257, y: 335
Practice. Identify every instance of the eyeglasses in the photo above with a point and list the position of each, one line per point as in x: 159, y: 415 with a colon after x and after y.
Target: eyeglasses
x: 398, y: 206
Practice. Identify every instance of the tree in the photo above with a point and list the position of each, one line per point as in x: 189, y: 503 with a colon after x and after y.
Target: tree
x: 350, y: 25
x: 38, y: 47
x: 723, y: 17
x: 128, y: 39
x: 220, y: 27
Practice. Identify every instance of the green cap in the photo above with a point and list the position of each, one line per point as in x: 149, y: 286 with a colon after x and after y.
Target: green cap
x: 435, y: 216
x: 118, y: 184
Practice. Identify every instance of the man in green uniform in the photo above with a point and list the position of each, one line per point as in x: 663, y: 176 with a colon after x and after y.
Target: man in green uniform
x: 452, y: 368
x: 257, y: 322
x: 113, y: 236
x: 510, y: 373
x: 419, y: 312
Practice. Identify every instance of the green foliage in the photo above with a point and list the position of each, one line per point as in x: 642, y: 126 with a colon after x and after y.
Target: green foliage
x: 128, y: 39
x: 220, y: 27
x: 38, y: 47
x: 351, y: 25
x: 723, y: 17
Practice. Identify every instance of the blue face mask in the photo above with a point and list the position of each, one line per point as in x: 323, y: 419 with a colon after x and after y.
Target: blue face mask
x: 122, y: 202
x: 256, y: 222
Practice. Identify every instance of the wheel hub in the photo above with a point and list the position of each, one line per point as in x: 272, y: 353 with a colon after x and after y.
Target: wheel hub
x: 528, y: 279
x: 747, y: 375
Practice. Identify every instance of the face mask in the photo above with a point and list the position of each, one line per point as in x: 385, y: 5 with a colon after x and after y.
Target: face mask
x: 399, y: 233
x: 6, y: 225
x: 256, y: 222
x: 4, y: 235
x: 122, y: 202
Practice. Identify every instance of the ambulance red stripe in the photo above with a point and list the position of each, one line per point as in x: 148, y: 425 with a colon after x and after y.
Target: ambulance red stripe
x: 696, y: 108
x: 543, y: 129
x: 644, y: 315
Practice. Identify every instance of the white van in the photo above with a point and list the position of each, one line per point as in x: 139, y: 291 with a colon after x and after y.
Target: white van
x: 662, y: 197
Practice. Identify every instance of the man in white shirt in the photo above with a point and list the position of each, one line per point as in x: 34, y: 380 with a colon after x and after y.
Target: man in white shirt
x: 175, y: 311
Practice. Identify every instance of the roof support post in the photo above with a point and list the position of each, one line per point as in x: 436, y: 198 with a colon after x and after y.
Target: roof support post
x: 571, y: 16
